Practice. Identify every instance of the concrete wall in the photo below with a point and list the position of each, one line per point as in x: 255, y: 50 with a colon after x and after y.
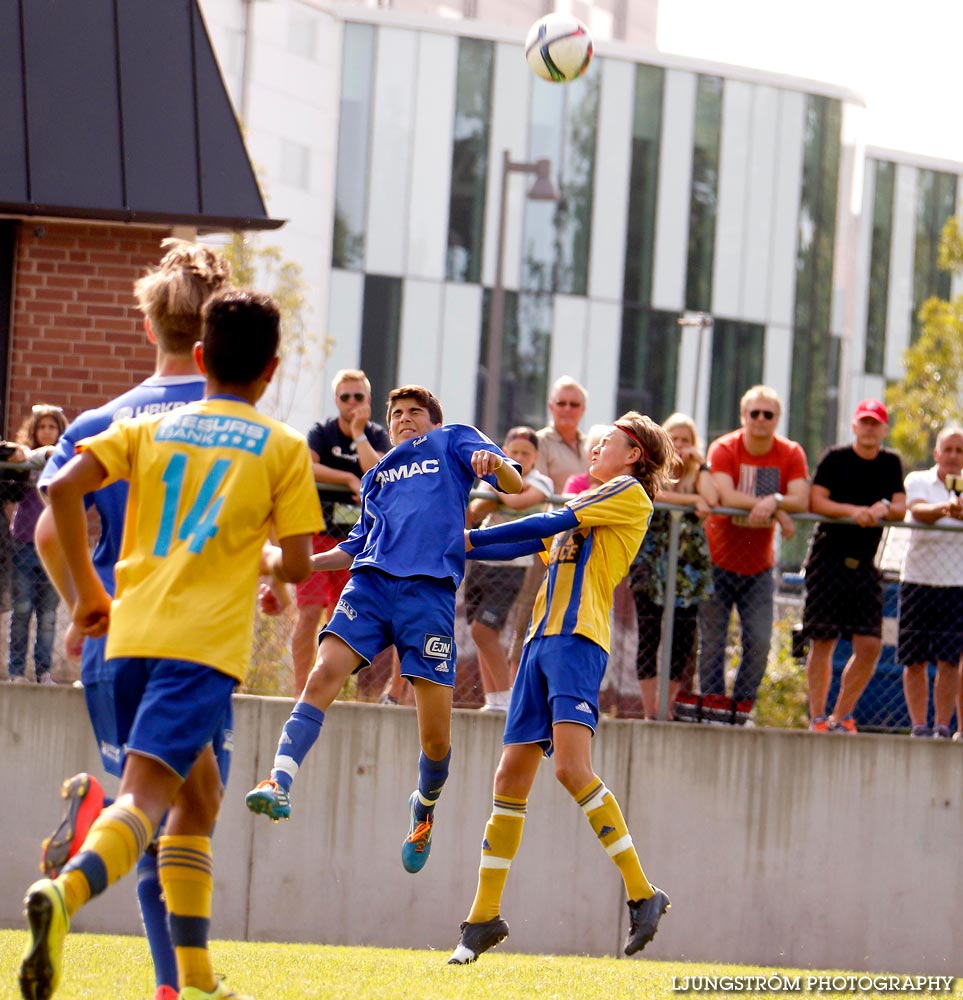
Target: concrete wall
x: 778, y: 848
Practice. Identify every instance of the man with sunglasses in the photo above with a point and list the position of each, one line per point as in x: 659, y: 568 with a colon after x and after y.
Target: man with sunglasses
x: 758, y: 471
x: 343, y: 448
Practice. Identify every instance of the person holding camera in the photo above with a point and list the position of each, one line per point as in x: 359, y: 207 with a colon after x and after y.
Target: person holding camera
x: 931, y: 589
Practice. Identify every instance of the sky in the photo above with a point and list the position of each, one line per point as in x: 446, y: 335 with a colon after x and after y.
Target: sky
x: 902, y: 56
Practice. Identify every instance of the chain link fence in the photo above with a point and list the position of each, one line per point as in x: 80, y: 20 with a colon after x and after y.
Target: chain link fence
x: 782, y: 692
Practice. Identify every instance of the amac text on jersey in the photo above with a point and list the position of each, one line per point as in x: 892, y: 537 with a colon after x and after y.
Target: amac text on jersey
x: 428, y: 467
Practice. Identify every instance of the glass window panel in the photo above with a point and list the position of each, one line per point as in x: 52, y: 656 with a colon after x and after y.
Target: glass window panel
x: 354, y: 134
x: 878, y: 297
x: 643, y: 184
x: 815, y: 391
x: 817, y: 214
x: 380, y: 333
x: 573, y: 218
x: 648, y: 362
x: 737, y: 365
x: 936, y: 202
x: 526, y: 337
x: 703, y: 196
x: 469, y: 160
x: 557, y: 235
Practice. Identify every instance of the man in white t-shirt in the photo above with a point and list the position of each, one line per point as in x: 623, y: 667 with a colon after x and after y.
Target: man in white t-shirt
x: 931, y: 590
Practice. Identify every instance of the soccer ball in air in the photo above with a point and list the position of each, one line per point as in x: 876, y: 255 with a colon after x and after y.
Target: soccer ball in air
x: 558, y: 47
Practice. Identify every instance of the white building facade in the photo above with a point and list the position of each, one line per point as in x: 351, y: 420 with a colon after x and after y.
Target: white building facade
x: 686, y: 187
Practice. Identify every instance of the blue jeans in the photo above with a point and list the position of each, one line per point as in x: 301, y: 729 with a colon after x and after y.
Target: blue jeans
x: 32, y: 593
x: 752, y: 597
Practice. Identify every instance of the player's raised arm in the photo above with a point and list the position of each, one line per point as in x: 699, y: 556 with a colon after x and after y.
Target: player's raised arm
x: 487, y: 463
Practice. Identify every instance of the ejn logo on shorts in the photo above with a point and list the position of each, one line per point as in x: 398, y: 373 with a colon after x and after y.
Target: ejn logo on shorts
x: 437, y: 647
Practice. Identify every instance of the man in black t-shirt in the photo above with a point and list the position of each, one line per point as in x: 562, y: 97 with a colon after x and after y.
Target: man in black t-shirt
x: 343, y: 448
x: 844, y: 595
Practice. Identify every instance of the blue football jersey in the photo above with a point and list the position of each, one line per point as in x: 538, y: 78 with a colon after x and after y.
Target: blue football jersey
x: 157, y: 394
x: 413, y: 505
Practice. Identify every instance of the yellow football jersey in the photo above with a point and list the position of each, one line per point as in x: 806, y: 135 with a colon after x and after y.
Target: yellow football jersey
x: 586, y: 563
x: 207, y: 483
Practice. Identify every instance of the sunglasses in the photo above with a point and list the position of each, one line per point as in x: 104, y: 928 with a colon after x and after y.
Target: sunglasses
x: 45, y: 408
x: 756, y: 414
x: 567, y: 402
x: 358, y: 397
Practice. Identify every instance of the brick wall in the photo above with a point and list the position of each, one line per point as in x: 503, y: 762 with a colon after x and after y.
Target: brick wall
x: 77, y: 336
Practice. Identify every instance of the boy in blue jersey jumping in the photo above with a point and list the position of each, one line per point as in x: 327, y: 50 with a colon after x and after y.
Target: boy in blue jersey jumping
x: 209, y: 482
x: 170, y: 297
x: 588, y: 544
x: 407, y: 557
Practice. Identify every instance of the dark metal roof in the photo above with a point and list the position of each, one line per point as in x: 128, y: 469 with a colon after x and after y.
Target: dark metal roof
x: 115, y: 110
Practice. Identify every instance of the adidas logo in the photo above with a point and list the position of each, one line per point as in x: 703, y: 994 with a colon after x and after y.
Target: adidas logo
x: 485, y: 845
x: 582, y: 706
x: 285, y: 738
x: 442, y: 668
x: 605, y: 831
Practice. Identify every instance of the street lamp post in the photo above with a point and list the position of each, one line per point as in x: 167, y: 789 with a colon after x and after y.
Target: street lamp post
x: 541, y: 190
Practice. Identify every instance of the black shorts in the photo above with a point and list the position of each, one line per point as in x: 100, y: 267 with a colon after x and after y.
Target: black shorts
x: 490, y: 592
x: 930, y: 624
x: 842, y: 600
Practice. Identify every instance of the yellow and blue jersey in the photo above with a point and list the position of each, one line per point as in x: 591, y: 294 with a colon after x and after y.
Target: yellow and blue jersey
x: 586, y: 563
x: 208, y: 482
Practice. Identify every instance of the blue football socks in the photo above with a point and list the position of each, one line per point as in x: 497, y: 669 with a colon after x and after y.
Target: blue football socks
x: 432, y: 775
x: 297, y: 737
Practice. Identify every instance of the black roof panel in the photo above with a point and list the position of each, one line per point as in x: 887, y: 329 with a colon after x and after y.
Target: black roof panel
x: 116, y: 110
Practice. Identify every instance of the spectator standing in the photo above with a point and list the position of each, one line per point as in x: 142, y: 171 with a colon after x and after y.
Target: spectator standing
x: 33, y: 593
x: 931, y: 590
x: 343, y: 448
x: 844, y: 593
x: 693, y: 485
x: 11, y: 490
x: 562, y: 450
x: 758, y: 471
x: 491, y: 587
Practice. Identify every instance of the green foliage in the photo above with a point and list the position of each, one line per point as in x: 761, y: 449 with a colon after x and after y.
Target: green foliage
x: 930, y: 394
x: 263, y: 266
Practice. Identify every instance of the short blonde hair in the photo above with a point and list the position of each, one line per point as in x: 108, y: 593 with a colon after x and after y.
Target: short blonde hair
x: 171, y: 294
x: 567, y: 382
x: 760, y: 392
x: 350, y: 375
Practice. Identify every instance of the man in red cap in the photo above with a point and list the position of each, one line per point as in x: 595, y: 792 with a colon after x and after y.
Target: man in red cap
x: 844, y: 594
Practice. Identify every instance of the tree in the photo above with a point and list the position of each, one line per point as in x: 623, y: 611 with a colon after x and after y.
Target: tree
x: 930, y: 394
x: 254, y: 265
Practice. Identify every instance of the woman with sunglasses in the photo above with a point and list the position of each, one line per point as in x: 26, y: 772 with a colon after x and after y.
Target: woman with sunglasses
x: 758, y: 471
x: 588, y: 545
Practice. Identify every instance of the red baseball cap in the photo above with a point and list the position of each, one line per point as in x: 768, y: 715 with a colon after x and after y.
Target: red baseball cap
x: 872, y: 408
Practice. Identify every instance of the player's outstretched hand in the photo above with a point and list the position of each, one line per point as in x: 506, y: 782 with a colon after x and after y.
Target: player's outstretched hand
x: 484, y: 463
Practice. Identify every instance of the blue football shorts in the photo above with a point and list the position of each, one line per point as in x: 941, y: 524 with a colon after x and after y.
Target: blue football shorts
x: 171, y: 710
x: 558, y: 680
x: 416, y: 614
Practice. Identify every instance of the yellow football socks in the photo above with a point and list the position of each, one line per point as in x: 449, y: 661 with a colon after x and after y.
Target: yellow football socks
x: 603, y: 812
x: 118, y: 837
x: 503, y: 834
x: 186, y: 871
